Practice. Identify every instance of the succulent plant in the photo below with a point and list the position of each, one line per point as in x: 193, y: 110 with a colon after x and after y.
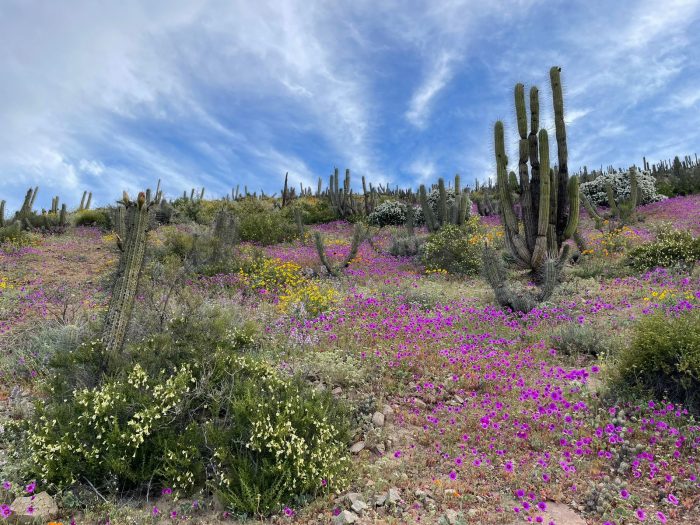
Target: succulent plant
x: 132, y: 244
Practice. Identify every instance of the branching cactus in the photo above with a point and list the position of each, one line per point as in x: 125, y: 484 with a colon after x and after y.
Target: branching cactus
x: 133, y: 247
x: 357, y: 238
x: 549, y: 200
x: 342, y: 200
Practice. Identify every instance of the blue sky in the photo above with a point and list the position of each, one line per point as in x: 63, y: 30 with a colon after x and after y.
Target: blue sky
x: 108, y: 96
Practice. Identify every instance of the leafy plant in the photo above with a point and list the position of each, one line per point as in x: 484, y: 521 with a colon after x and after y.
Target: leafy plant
x: 671, y: 248
x: 454, y: 249
x: 664, y: 357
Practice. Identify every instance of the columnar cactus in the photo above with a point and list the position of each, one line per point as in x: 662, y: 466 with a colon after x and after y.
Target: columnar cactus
x: 342, y: 200
x: 82, y: 202
x: 133, y: 248
x: 549, y: 200
x: 285, y: 191
x: 2, y: 213
x: 63, y: 216
x: 448, y: 210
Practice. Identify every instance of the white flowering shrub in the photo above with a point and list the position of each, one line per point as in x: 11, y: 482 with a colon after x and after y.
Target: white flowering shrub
x: 388, y: 213
x: 621, y: 186
x: 209, y: 418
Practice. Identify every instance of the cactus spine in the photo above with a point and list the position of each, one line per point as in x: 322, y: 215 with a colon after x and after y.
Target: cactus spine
x: 133, y: 247
x: 549, y: 199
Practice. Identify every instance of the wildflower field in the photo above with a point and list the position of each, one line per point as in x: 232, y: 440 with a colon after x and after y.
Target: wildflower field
x: 456, y: 410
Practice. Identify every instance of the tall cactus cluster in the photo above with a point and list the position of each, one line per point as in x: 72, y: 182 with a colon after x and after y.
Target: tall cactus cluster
x: 454, y: 213
x: 549, y: 198
x: 131, y: 228
x: 342, y: 200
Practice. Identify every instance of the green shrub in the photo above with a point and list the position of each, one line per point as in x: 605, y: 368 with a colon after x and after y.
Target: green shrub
x: 14, y: 236
x: 454, y: 249
x: 183, y: 405
x: 406, y: 245
x: 672, y: 248
x: 314, y: 210
x: 664, y: 357
x: 99, y: 218
x: 575, y: 339
x: 266, y: 227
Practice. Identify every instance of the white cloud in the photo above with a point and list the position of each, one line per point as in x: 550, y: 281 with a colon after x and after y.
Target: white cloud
x: 438, y: 77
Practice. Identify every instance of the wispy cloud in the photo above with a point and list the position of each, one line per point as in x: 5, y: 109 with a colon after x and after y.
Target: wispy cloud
x: 205, y: 92
x: 431, y: 86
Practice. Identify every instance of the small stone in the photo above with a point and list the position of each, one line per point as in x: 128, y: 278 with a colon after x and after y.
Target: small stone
x: 394, y: 496
x: 419, y: 402
x: 380, y: 449
x: 358, y: 506
x: 378, y: 419
x: 562, y: 515
x: 352, y: 496
x: 337, y: 391
x: 388, y: 413
x: 43, y: 508
x: 357, y: 447
x: 422, y: 494
x: 345, y: 517
x: 380, y: 501
x: 453, y: 517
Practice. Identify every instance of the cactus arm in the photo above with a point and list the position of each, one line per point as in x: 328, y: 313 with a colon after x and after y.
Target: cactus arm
x: 321, y: 250
x: 540, y: 250
x: 574, y: 208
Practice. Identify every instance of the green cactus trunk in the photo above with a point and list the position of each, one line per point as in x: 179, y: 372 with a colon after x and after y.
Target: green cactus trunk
x: 2, y: 213
x: 430, y: 220
x: 126, y: 283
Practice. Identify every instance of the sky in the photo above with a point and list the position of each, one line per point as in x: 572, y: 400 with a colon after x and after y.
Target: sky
x: 113, y: 95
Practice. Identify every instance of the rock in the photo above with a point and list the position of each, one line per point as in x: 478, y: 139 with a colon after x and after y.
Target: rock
x: 388, y: 413
x: 345, y: 517
x: 337, y: 391
x: 562, y: 515
x: 394, y: 496
x: 40, y: 507
x: 357, y: 447
x: 380, y: 501
x: 453, y: 517
x: 419, y: 402
x: 422, y: 494
x: 380, y: 449
x: 358, y: 507
x: 378, y: 419
x: 357, y: 504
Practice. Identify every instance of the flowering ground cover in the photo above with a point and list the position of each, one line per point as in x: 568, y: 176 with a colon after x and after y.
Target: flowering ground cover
x: 486, y: 417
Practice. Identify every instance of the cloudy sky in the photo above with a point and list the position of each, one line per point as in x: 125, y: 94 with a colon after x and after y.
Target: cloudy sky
x: 113, y: 95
